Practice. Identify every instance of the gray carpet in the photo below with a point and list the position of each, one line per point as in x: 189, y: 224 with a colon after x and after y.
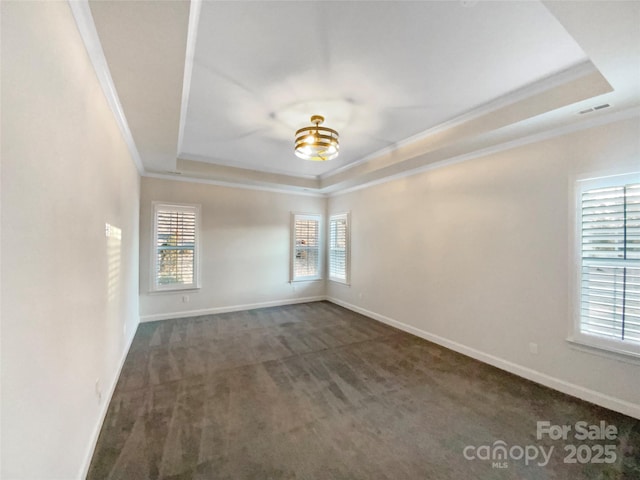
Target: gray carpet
x: 314, y: 391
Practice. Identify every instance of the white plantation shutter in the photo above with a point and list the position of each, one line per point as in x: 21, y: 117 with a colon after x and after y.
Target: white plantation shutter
x: 306, y: 247
x: 339, y: 247
x: 610, y: 270
x: 175, y: 246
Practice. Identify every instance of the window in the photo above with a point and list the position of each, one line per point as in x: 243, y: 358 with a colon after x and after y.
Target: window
x: 609, y: 250
x: 306, y: 247
x: 175, y: 247
x: 339, y: 248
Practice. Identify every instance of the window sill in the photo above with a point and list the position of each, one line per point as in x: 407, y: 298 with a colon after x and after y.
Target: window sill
x: 611, y: 352
x: 301, y: 280
x: 340, y: 282
x: 174, y: 290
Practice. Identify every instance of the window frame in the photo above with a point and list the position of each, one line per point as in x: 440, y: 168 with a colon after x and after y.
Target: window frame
x: 576, y: 336
x: 173, y: 206
x: 347, y: 249
x: 292, y: 257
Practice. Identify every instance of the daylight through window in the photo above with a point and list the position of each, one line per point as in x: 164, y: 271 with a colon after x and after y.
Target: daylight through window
x: 306, y: 247
x: 339, y: 247
x: 175, y: 246
x: 610, y: 263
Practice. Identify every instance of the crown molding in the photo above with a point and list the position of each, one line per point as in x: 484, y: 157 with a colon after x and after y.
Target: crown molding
x: 515, y: 120
x: 265, y: 187
x: 585, y: 124
x: 570, y: 74
x: 193, y: 157
x: 84, y: 21
x: 236, y: 174
x: 336, y: 190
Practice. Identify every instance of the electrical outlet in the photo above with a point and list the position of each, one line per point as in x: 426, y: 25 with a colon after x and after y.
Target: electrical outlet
x: 107, y: 230
x: 185, y: 299
x: 533, y: 348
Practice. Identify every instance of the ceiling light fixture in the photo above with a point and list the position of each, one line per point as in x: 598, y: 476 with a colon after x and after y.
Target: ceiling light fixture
x: 317, y: 143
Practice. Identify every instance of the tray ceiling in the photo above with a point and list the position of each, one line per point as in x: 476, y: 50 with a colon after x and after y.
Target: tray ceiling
x: 217, y: 89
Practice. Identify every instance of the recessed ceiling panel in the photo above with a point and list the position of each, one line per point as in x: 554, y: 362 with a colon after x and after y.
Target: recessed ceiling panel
x: 379, y: 72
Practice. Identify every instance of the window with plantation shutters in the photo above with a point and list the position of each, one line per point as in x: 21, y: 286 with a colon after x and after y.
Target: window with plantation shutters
x: 175, y: 251
x: 306, y: 247
x: 609, y: 298
x: 339, y: 248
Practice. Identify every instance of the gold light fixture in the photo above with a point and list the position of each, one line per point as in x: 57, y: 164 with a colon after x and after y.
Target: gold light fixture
x: 317, y: 143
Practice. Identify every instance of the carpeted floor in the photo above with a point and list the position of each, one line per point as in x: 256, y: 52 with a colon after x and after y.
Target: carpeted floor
x: 314, y: 391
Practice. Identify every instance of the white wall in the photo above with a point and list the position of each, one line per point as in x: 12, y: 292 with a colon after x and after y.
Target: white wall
x: 476, y: 255
x: 245, y: 248
x: 69, y: 294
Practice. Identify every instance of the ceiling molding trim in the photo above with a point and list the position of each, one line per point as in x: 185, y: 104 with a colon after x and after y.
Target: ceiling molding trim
x: 84, y: 21
x: 264, y: 188
x: 192, y: 34
x: 534, y: 138
x: 570, y: 74
x: 189, y: 168
x: 203, y: 159
x: 332, y: 191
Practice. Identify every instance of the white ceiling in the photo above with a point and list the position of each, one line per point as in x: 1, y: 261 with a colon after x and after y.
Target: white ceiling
x: 216, y: 89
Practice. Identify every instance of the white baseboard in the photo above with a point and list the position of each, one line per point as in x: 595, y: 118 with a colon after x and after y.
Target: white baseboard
x: 105, y: 408
x: 227, y: 309
x: 598, y: 398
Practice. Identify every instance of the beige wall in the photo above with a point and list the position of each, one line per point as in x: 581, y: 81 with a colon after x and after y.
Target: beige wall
x: 69, y: 294
x: 245, y: 248
x: 477, y: 255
